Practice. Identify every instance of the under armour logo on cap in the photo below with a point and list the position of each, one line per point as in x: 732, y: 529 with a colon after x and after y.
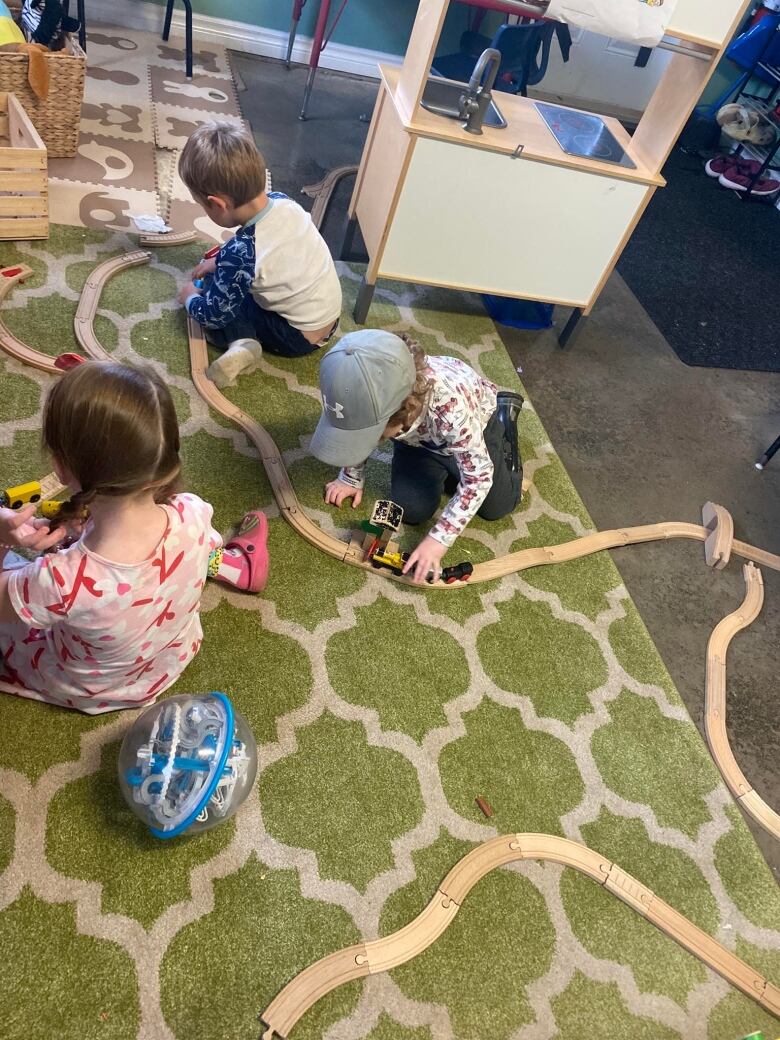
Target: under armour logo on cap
x: 337, y: 409
x: 363, y: 381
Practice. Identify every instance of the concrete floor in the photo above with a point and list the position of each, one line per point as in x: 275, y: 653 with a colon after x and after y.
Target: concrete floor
x: 644, y: 437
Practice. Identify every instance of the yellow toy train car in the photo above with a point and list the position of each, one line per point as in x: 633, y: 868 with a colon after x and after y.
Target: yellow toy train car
x: 21, y: 495
x: 394, y: 561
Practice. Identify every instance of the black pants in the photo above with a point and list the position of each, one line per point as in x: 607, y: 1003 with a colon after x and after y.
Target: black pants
x: 275, y: 333
x: 418, y: 478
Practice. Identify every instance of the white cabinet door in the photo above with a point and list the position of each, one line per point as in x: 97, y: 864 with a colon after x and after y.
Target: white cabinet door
x: 479, y: 220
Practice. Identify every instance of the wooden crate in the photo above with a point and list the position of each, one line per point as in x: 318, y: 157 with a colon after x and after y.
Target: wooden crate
x: 24, y: 181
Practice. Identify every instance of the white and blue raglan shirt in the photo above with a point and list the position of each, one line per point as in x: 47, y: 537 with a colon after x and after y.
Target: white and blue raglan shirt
x: 279, y: 257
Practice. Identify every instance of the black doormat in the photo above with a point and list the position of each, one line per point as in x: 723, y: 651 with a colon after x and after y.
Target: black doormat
x: 704, y: 264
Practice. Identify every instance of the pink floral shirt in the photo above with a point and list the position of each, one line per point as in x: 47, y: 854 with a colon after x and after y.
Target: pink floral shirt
x: 97, y: 635
x: 452, y: 423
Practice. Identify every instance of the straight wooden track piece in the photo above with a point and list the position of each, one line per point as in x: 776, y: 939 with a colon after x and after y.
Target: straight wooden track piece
x: 322, y: 191
x: 9, y: 277
x: 51, y: 487
x: 715, y: 702
x: 169, y: 238
x: 720, y: 540
x: 90, y: 300
x: 287, y: 1008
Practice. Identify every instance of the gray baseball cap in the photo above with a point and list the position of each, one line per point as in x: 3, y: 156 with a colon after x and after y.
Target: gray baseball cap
x: 363, y: 380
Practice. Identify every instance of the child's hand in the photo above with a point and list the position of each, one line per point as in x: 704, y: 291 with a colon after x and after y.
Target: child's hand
x: 425, y: 559
x: 187, y: 290
x: 204, y: 267
x: 19, y: 528
x: 337, y: 493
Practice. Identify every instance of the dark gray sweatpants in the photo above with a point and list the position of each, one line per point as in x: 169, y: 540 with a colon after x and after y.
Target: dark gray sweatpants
x: 418, y: 476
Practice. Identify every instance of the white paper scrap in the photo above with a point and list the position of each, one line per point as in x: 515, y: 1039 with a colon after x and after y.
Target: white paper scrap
x: 149, y: 222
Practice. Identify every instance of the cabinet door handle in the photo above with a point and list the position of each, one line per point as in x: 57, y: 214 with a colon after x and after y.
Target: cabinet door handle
x: 518, y: 151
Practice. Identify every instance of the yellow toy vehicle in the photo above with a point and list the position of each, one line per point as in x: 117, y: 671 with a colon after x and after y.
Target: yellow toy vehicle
x: 21, y: 495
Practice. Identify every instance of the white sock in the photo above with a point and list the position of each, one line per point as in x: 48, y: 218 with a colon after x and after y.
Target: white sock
x: 241, y: 357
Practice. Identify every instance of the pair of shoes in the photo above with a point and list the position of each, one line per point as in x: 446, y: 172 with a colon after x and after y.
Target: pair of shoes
x: 243, y: 563
x: 722, y: 164
x: 508, y: 406
x: 739, y: 180
x: 240, y: 358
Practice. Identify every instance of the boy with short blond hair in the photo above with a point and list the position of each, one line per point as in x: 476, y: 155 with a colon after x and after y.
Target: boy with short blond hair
x: 273, y: 285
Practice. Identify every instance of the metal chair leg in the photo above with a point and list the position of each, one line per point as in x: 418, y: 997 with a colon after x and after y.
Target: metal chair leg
x: 769, y: 454
x: 167, y: 23
x: 82, y: 25
x: 307, y: 90
x: 188, y: 36
x: 187, y: 31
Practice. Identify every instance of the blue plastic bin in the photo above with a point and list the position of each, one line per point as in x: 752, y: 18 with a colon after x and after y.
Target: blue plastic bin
x: 520, y: 314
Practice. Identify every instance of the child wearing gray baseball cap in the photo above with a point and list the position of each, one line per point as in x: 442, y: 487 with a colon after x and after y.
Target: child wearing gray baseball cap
x: 451, y: 430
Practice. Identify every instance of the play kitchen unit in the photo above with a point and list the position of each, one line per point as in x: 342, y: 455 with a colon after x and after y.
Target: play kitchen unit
x: 492, y: 192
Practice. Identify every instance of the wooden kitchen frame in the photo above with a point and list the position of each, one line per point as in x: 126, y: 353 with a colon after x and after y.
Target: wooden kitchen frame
x: 508, y: 212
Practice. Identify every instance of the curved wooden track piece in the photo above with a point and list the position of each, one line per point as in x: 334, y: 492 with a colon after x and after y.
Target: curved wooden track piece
x: 169, y: 238
x: 9, y: 343
x: 715, y: 702
x: 322, y: 191
x: 720, y: 540
x: 90, y: 298
x: 369, y: 958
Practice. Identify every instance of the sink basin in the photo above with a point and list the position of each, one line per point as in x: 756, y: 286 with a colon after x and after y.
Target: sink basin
x: 441, y: 96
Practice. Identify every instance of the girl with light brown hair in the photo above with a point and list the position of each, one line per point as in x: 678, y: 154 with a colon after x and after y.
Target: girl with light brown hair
x: 113, y: 620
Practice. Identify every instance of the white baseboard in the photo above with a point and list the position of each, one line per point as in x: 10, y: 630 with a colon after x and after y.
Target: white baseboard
x: 238, y: 36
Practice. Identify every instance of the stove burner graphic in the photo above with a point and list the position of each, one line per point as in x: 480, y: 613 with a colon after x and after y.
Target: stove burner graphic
x: 583, y: 134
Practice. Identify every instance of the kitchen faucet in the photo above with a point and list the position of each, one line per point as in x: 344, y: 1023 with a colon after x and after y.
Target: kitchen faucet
x: 476, y: 97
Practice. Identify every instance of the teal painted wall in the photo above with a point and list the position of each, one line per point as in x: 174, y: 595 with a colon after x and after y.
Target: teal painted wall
x: 379, y: 25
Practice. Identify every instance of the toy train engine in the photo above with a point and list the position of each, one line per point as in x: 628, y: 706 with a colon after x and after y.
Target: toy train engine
x: 395, y: 561
x: 21, y: 495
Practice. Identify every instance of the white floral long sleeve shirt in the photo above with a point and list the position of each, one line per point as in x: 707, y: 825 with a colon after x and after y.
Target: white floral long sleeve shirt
x: 452, y: 423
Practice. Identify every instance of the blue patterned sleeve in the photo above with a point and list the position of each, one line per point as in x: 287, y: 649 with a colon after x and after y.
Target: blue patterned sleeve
x: 221, y: 301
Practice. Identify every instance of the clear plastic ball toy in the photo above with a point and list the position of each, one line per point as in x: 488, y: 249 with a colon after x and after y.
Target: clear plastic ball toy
x: 187, y: 763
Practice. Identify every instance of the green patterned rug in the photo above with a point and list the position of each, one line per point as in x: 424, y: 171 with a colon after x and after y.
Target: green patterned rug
x: 380, y: 713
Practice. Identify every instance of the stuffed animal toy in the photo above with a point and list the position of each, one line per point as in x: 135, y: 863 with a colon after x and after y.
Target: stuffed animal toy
x: 44, y: 22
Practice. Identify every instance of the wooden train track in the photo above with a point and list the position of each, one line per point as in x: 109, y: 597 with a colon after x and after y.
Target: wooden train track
x: 369, y: 958
x: 9, y: 277
x: 169, y: 238
x: 715, y: 702
x: 322, y: 191
x: 83, y: 323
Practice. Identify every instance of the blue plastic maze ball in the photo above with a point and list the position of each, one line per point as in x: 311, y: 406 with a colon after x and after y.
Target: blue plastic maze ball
x: 187, y: 763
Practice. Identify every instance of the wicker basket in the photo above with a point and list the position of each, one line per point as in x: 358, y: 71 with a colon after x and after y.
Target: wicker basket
x: 57, y: 118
